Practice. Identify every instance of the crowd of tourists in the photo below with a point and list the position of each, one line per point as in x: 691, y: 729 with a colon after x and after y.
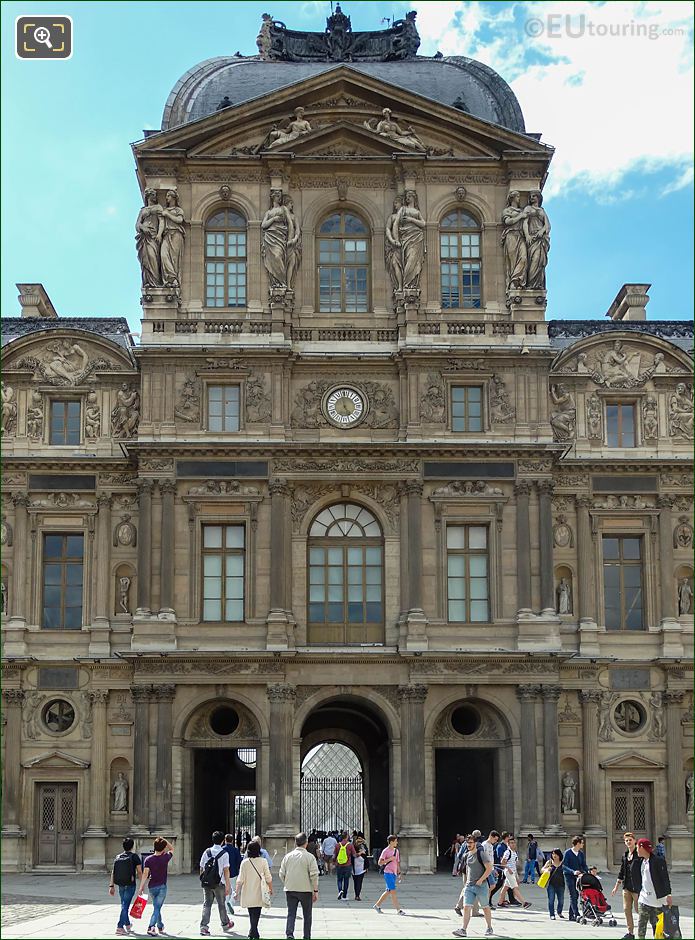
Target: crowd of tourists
x: 236, y: 869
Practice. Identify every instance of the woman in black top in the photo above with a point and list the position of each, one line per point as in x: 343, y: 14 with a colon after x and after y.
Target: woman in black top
x: 556, y: 884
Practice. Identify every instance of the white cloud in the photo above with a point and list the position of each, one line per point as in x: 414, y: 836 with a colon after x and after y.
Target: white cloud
x: 610, y: 104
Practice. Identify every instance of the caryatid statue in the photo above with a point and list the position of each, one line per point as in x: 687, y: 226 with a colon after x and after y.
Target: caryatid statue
x: 409, y: 235
x: 392, y: 248
x: 173, y: 236
x: 537, y: 234
x: 148, y: 238
x: 514, y: 243
x: 279, y: 242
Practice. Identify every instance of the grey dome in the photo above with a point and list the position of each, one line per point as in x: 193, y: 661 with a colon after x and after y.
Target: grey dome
x: 454, y: 81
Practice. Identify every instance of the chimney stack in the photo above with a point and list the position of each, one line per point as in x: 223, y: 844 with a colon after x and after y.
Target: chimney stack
x: 630, y: 303
x: 35, y: 302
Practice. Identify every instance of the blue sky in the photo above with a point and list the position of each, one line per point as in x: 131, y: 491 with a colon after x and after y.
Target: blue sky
x: 617, y: 107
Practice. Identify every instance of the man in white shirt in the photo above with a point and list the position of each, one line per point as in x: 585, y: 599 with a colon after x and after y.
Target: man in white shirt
x: 655, y: 892
x: 299, y: 872
x: 510, y: 862
x: 328, y: 847
x: 216, y: 884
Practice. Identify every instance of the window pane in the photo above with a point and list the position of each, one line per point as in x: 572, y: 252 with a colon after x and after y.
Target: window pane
x: 234, y: 611
x: 212, y: 566
x: 373, y: 556
x: 612, y: 425
x: 457, y: 611
x: 457, y: 588
x: 456, y: 566
x: 212, y: 536
x: 631, y: 548
x: 53, y: 546
x: 478, y: 566
x: 316, y: 556
x: 610, y: 548
x: 477, y: 537
x: 235, y: 536
x: 455, y: 536
x: 479, y: 611
x: 212, y: 610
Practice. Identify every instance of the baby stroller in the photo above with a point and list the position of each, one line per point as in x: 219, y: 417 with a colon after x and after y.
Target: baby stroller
x: 593, y: 905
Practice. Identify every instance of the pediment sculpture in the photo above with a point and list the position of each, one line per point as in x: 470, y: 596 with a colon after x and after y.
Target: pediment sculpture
x: 64, y: 362
x: 387, y: 127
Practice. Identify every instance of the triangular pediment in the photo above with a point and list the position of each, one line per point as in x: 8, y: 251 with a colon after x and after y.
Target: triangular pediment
x: 631, y: 760
x: 56, y: 759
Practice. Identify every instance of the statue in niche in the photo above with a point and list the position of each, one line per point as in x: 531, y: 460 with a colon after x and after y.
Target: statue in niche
x: 67, y: 362
x: 148, y: 238
x: 277, y: 229
x: 650, y: 419
x: 5, y: 605
x: 564, y: 597
x: 680, y: 412
x: 536, y: 227
x: 92, y: 416
x: 563, y: 420
x: 278, y: 137
x: 685, y: 597
x: 392, y: 249
x: 294, y: 244
x: 35, y: 416
x: 683, y: 533
x: 387, y: 127
x: 409, y: 233
x: 125, y: 416
x: 9, y: 409
x: 594, y: 418
x: 173, y: 235
x: 569, y: 793
x: 119, y: 792
x: 514, y: 242
x: 690, y: 793
x: 123, y: 595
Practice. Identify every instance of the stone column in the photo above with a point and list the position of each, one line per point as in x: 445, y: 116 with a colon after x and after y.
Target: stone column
x: 416, y: 837
x: 674, y: 763
x: 12, y: 702
x: 551, y: 758
x: 168, y: 530
x: 164, y: 696
x: 95, y: 835
x: 145, y: 549
x: 278, y: 621
x: 19, y: 567
x: 672, y: 640
x: 591, y: 775
x: 281, y: 825
x: 416, y: 635
x: 142, y: 696
x: 584, y: 592
x: 527, y: 695
x: 523, y: 548
x: 545, y: 522
x: 99, y: 644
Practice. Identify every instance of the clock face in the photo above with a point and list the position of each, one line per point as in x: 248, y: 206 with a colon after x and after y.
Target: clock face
x: 345, y: 407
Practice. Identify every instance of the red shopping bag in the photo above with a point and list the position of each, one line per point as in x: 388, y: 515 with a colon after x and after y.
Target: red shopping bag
x: 138, y: 907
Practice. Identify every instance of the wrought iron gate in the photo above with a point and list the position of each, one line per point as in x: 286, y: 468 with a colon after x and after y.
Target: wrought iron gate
x: 332, y: 803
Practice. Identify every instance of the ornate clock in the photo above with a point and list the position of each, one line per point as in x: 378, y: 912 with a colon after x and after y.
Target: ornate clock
x: 345, y: 406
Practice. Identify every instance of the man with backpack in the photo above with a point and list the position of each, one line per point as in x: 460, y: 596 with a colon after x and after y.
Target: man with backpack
x: 126, y: 868
x: 215, y: 882
x: 477, y: 866
x: 343, y: 856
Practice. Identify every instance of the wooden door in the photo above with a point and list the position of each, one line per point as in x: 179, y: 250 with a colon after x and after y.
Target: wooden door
x: 632, y: 812
x: 57, y: 813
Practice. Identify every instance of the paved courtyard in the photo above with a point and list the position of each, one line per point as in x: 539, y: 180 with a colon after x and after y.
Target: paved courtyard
x: 72, y: 907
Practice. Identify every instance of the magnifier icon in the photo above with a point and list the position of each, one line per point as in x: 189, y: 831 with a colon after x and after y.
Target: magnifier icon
x: 43, y: 35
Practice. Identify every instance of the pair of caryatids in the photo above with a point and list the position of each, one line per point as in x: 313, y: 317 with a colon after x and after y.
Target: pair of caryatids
x: 159, y: 238
x: 526, y: 242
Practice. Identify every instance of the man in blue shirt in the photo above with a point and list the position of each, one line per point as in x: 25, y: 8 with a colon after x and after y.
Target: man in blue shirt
x: 234, y: 864
x: 573, y: 865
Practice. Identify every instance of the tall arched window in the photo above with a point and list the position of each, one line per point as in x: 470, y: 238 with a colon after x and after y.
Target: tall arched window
x: 344, y: 262
x: 459, y: 250
x: 225, y: 259
x: 346, y: 584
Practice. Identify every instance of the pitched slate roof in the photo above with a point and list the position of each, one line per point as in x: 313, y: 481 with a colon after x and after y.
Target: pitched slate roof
x: 114, y: 328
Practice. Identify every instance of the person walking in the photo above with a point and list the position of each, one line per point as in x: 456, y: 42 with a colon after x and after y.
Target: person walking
x: 510, y: 860
x: 531, y: 862
x: 234, y: 856
x: 488, y: 850
x: 390, y: 861
x: 215, y: 882
x: 328, y: 851
x: 125, y: 872
x: 500, y: 850
x: 655, y: 892
x: 556, y: 884
x: 630, y: 878
x: 574, y: 865
x: 359, y: 867
x: 477, y: 868
x: 254, y: 874
x: 154, y: 873
x: 343, y: 856
x: 299, y: 872
x: 660, y: 848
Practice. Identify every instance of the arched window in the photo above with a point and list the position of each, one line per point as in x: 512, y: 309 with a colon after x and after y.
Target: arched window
x: 225, y: 260
x: 459, y: 250
x: 346, y: 584
x: 344, y: 262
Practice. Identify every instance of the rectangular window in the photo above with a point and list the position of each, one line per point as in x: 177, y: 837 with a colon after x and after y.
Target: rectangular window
x: 460, y: 270
x: 62, y: 582
x: 466, y: 408
x: 225, y: 280
x: 622, y: 582
x: 620, y: 424
x: 65, y: 422
x: 223, y: 407
x: 467, y: 574
x: 223, y: 573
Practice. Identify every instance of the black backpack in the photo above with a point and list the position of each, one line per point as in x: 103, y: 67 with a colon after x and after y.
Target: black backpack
x: 210, y: 876
x: 123, y: 870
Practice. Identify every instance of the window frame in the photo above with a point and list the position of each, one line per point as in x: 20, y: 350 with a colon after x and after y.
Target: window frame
x: 621, y: 404
x: 342, y: 266
x: 65, y: 401
x: 224, y: 551
x: 468, y: 553
x: 208, y: 386
x: 459, y: 259
x: 621, y: 564
x: 225, y: 259
x: 452, y: 385
x: 64, y: 560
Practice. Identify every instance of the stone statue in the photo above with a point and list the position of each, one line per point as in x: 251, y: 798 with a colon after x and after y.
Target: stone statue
x: 689, y: 794
x: 294, y: 244
x: 386, y: 127
x: 409, y: 232
x: 432, y: 403
x: 123, y: 595
x: 605, y: 729
x: 616, y: 367
x: 67, y: 362
x: 120, y: 794
x: 685, y: 597
x: 9, y: 409
x: 148, y: 238
x: 563, y: 421
x: 569, y: 793
x: 564, y: 597
x: 650, y: 419
x: 92, y: 416
x: 173, y: 235
x: 407, y: 43
x: 656, y: 709
x: 35, y: 416
x: 501, y: 410
x: 4, y: 608
x: 257, y: 399
x: 125, y: 416
x: 594, y: 418
x: 536, y: 227
x: 296, y: 127
x: 338, y: 29
x: 392, y: 249
x: 264, y: 40
x: 514, y: 243
x: 280, y: 236
x: 680, y: 412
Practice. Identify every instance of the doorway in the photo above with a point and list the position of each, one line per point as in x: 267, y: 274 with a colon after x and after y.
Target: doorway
x: 464, y: 795
x: 632, y: 812
x: 224, y: 794
x: 56, y: 809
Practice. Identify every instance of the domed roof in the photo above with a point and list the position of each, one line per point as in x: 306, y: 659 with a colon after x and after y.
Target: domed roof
x: 455, y: 81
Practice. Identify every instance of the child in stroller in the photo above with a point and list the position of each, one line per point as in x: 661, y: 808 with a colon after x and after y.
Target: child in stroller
x: 592, y: 900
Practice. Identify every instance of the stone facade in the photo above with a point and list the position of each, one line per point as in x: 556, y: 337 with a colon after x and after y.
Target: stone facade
x: 580, y: 723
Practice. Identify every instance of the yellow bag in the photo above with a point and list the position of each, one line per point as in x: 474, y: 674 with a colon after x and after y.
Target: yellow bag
x: 544, y: 879
x: 659, y: 935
